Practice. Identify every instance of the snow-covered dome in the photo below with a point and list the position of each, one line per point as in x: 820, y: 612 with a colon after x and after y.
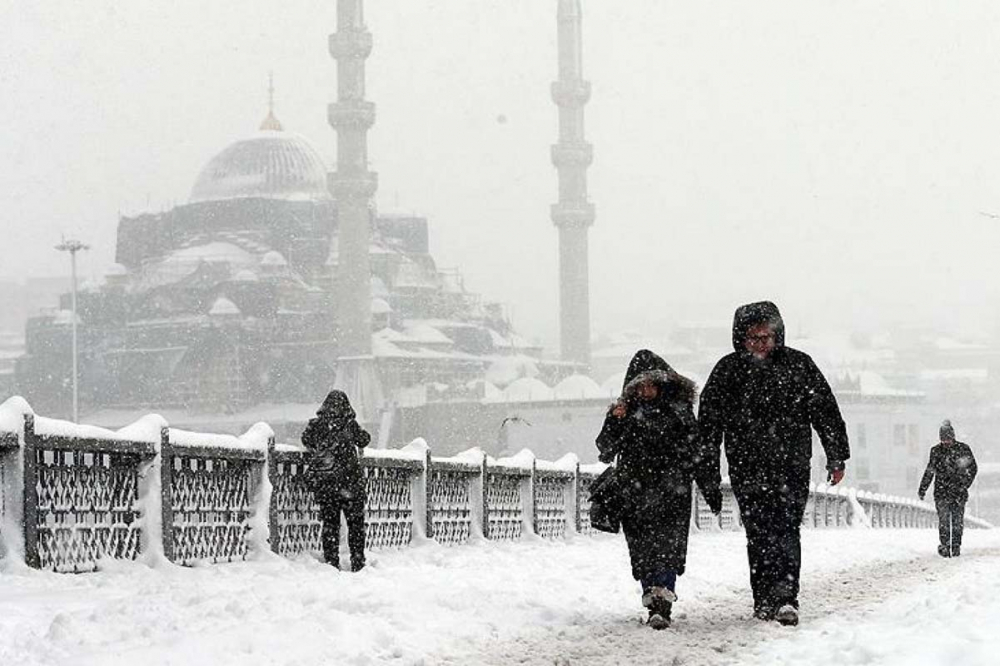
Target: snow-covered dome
x: 223, y: 307
x: 528, y: 389
x: 183, y: 262
x: 578, y: 387
x: 273, y: 259
x: 272, y: 165
x: 245, y: 275
x: 380, y: 307
x: 506, y: 369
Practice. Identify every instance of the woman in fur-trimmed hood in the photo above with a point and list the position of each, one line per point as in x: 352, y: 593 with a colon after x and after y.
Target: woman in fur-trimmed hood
x: 652, y: 431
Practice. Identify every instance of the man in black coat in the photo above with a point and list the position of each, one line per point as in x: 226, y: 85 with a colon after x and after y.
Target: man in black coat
x: 953, y: 468
x: 333, y: 438
x: 764, y: 399
x: 652, y: 431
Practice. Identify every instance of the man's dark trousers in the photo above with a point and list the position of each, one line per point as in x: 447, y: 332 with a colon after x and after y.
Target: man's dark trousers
x: 951, y: 522
x: 772, y: 518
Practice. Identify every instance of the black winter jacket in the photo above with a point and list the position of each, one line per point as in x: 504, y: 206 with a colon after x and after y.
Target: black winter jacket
x: 765, y: 410
x: 333, y: 438
x: 659, y: 452
x: 953, y: 468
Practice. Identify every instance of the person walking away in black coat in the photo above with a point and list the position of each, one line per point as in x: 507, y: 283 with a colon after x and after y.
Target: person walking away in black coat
x: 764, y: 399
x: 333, y: 438
x: 952, y: 468
x: 652, y: 431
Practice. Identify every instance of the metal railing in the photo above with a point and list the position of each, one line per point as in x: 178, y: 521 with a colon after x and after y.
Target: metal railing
x: 78, y: 495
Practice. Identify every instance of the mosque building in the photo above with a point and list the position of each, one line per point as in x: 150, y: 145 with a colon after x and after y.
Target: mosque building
x: 279, y: 279
x: 228, y: 301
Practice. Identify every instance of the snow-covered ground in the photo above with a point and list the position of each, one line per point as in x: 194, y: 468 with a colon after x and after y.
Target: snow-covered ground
x: 869, y: 597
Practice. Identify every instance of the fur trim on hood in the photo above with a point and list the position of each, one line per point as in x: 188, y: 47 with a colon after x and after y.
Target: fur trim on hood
x: 647, y: 366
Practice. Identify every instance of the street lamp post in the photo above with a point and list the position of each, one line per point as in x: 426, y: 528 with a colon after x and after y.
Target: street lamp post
x: 73, y: 246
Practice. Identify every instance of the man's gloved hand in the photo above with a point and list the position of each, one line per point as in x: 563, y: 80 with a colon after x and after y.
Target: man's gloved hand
x: 835, y: 472
x: 921, y: 496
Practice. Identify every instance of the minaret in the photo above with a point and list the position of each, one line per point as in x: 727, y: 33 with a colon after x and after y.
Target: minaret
x: 573, y: 214
x: 353, y: 186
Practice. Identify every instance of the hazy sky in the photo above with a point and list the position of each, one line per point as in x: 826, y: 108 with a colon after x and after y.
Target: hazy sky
x: 831, y: 155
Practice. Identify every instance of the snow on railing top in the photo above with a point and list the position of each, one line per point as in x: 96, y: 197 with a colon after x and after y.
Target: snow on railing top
x: 12, y: 413
x: 566, y: 464
x: 473, y: 456
x: 593, y: 468
x: 523, y: 460
x: 254, y: 439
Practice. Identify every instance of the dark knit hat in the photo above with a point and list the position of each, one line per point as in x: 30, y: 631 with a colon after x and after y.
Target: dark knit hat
x: 946, y: 431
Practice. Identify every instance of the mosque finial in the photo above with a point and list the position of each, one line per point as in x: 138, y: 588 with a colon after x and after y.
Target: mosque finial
x: 270, y: 122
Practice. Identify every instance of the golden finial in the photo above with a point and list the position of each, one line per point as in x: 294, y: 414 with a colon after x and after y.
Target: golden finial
x: 271, y: 123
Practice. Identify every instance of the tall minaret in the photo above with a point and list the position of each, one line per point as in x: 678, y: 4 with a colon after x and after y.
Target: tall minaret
x: 353, y: 187
x: 573, y: 214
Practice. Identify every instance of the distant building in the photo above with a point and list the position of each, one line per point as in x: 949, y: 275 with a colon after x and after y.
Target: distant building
x: 227, y: 301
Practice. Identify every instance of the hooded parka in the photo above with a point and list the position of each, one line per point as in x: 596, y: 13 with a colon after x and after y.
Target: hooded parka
x: 333, y: 438
x: 765, y: 411
x: 658, y: 451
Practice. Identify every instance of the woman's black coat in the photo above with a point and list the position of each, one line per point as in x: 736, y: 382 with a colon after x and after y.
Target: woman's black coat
x: 659, y: 453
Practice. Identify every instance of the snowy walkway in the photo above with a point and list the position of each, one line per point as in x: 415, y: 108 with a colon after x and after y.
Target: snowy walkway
x: 869, y: 597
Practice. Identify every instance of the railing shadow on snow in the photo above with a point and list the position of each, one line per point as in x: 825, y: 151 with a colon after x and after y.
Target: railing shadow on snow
x: 74, y: 495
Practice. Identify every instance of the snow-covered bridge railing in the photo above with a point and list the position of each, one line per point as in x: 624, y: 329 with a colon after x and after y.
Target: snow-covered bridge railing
x: 836, y: 506
x: 414, y: 495
x: 75, y: 495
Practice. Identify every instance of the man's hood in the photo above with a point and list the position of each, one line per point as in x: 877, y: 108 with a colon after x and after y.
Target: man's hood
x: 749, y: 315
x: 647, y: 366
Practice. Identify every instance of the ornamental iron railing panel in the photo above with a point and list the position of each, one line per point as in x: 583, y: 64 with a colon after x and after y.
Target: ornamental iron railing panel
x: 583, y: 504
x: 389, y: 508
x: 293, y: 508
x: 504, y: 508
x: 551, y: 494
x: 8, y: 447
x: 451, y: 504
x: 81, y: 500
x: 211, y: 505
x: 729, y: 518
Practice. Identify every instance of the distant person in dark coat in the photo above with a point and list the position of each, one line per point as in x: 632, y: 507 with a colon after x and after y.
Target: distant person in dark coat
x: 333, y: 438
x: 952, y: 468
x: 764, y: 399
x: 652, y: 431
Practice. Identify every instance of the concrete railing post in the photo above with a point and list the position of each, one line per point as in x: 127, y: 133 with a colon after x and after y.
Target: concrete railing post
x: 528, y: 498
x: 271, y: 463
x: 420, y: 496
x: 575, y: 492
x: 29, y: 513
x: 477, y: 502
x: 166, y: 493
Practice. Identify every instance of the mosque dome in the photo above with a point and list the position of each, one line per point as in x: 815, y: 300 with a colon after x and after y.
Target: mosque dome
x: 273, y: 164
